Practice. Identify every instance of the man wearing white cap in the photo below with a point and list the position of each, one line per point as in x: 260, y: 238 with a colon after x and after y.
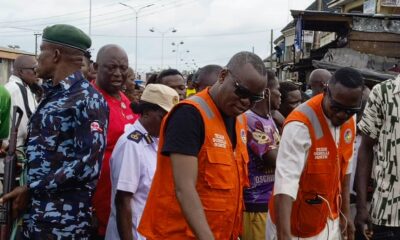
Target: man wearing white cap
x: 134, y: 159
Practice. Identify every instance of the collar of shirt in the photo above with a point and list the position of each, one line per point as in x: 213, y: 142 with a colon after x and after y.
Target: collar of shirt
x: 16, y: 79
x: 334, y: 130
x: 397, y: 85
x: 139, y: 127
x: 65, y: 84
x: 107, y: 96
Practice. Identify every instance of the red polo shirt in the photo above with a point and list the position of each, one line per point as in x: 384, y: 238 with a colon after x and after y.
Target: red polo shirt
x: 120, y: 115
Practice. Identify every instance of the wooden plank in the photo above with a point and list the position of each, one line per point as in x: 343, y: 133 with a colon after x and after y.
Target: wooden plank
x: 9, y: 55
x: 375, y: 37
x: 385, y: 49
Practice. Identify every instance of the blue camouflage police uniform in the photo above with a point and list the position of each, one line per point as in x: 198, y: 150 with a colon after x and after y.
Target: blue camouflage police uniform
x: 65, y: 146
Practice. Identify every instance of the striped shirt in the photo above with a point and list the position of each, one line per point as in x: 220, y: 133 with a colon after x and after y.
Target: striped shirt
x: 380, y: 121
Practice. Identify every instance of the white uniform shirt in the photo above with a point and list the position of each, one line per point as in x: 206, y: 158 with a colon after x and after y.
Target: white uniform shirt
x: 132, y: 164
x: 291, y: 159
x: 18, y: 100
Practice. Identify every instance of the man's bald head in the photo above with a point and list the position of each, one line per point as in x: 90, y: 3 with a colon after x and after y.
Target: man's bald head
x: 110, y: 49
x: 112, y: 68
x: 24, y: 61
x: 318, y: 80
x: 206, y: 76
x: 24, y: 68
x: 240, y: 84
x: 242, y: 58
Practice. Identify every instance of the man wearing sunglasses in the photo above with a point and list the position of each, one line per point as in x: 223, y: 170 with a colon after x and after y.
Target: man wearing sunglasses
x: 202, y: 165
x: 18, y: 86
x: 313, y: 167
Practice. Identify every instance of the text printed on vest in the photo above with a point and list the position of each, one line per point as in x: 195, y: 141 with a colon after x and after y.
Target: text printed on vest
x: 321, y: 153
x: 219, y: 140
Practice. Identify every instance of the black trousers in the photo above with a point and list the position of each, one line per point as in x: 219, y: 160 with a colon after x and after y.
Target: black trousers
x: 382, y: 233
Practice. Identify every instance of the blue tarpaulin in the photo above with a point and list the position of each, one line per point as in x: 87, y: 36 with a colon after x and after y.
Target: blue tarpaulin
x: 299, y: 35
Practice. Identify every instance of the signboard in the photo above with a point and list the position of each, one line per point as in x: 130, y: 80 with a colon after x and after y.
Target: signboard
x: 390, y: 3
x: 369, y: 6
x: 308, y: 36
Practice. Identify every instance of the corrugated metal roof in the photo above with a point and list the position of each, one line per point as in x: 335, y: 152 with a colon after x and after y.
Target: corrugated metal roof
x: 371, y: 66
x: 296, y: 13
x: 288, y: 26
x: 338, y: 3
x: 313, y: 6
x: 332, y: 21
x: 17, y: 51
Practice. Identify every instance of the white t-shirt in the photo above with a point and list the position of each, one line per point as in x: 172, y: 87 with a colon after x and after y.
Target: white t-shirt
x: 132, y: 164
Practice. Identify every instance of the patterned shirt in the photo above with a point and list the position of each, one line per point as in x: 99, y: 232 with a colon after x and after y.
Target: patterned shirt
x: 65, y: 146
x: 380, y: 121
x: 263, y: 136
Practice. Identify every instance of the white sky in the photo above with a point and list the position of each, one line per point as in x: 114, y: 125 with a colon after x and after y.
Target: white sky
x: 212, y: 30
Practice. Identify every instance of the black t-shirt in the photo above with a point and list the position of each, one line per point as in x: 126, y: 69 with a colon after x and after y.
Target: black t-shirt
x: 185, y: 131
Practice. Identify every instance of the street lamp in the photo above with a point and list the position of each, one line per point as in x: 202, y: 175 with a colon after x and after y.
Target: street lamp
x: 136, y: 28
x: 13, y: 46
x: 183, y: 57
x: 176, y: 51
x: 172, y: 30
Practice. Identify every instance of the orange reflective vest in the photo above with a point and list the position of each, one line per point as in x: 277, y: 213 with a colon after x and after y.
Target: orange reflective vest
x: 222, y: 174
x: 323, y: 173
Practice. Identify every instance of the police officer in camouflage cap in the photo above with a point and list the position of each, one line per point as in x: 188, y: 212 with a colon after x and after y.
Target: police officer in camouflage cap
x: 65, y: 144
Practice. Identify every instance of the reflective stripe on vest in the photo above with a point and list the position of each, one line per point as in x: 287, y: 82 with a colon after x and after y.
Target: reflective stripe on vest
x: 203, y: 105
x: 240, y: 118
x: 312, y: 117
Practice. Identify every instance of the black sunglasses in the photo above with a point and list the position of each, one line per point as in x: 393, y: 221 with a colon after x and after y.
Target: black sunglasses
x: 337, y: 107
x: 30, y: 68
x: 243, y: 92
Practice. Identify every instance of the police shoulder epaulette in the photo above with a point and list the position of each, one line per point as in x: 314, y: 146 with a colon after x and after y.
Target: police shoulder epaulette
x: 136, y: 136
x: 148, y: 139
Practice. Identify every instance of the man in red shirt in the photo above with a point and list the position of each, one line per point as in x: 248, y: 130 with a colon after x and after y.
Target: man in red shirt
x: 112, y: 69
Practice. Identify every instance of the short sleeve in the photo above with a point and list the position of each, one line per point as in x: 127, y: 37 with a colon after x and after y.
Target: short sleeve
x: 372, y: 119
x: 291, y: 159
x: 125, y: 165
x: 184, y: 133
x: 261, y: 135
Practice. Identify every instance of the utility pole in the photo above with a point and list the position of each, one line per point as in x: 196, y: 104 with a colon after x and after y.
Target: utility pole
x: 90, y: 18
x: 136, y: 38
x: 316, y: 39
x: 272, y: 44
x: 136, y: 27
x: 36, y: 42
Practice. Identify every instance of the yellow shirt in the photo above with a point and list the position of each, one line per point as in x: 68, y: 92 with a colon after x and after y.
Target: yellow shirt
x: 190, y: 92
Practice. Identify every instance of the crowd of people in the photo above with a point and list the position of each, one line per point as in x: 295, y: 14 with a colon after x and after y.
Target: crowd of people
x: 227, y: 152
